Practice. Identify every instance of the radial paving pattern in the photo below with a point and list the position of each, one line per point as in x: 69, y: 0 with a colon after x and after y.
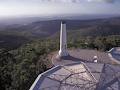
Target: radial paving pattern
x: 81, y: 76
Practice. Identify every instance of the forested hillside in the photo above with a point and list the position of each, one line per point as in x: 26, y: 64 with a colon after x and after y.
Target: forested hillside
x: 20, y: 67
x: 11, y: 34
x: 48, y: 28
x: 24, y: 50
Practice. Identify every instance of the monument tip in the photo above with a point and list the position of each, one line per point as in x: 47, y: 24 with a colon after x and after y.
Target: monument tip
x: 63, y: 22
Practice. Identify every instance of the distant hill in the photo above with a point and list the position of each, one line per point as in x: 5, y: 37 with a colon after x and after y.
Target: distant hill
x: 76, y: 28
x: 95, y: 27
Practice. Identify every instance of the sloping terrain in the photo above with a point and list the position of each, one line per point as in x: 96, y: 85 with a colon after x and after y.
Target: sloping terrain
x: 43, y: 29
x: 96, y: 27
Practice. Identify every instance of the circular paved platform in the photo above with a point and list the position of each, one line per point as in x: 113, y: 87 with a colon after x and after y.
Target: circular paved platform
x: 84, y: 55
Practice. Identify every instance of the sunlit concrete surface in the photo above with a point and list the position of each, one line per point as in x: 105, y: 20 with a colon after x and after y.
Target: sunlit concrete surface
x: 80, y: 76
x: 84, y: 55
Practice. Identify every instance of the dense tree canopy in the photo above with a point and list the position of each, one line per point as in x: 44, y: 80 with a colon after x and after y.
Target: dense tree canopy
x: 19, y: 68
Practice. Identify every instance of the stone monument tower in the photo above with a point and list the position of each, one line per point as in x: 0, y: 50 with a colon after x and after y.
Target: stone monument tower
x: 63, y: 40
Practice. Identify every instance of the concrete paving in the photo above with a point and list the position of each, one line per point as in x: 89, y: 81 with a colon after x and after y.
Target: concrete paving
x: 83, y: 55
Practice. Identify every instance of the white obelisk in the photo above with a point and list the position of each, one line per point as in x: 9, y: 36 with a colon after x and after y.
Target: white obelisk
x: 63, y: 40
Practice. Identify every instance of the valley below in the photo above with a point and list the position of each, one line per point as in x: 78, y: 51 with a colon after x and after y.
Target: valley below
x: 21, y: 33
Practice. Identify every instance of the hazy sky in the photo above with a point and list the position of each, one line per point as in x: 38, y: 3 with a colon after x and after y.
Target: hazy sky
x: 52, y: 7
